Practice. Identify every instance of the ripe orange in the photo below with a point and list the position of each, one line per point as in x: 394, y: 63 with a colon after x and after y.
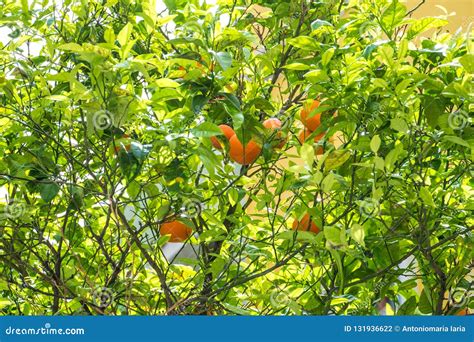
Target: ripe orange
x: 272, y: 123
x: 311, y: 121
x: 243, y: 154
x: 463, y: 312
x: 228, y: 133
x: 305, y: 133
x: 304, y: 225
x: 275, y: 124
x: 179, y: 231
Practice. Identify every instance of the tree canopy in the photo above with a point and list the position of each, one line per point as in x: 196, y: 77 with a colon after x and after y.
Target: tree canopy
x: 107, y: 110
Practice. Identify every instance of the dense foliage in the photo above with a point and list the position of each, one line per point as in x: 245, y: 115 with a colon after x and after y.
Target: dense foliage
x: 106, y: 110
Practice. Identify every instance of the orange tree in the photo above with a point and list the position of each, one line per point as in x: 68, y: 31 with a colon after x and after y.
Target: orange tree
x: 106, y: 113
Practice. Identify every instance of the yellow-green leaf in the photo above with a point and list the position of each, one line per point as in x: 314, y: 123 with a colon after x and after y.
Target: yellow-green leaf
x: 426, y: 197
x: 124, y: 34
x: 375, y: 143
x: 358, y: 234
x: 166, y: 83
x: 71, y: 47
x: 336, y: 159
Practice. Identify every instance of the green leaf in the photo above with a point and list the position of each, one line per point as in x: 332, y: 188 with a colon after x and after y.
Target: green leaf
x: 124, y: 35
x: 186, y: 41
x: 328, y: 182
x: 71, y: 47
x: 319, y: 23
x: 375, y: 143
x: 166, y: 83
x: 296, y: 66
x: 170, y: 4
x: 307, y: 154
x: 5, y: 302
x: 339, y: 300
x: 456, y: 140
x: 149, y: 14
x: 393, y: 15
x: 109, y: 36
x: 25, y: 8
x: 224, y: 59
x: 77, y: 197
x: 304, y: 43
x: 333, y: 235
x: 386, y: 54
x: 358, y: 234
x: 407, y: 308
x: 238, y: 119
x: 162, y: 211
x: 371, y: 47
x: 59, y: 98
x: 421, y: 25
x: 233, y: 196
x: 208, y: 158
x: 336, y: 159
x: 426, y: 197
x: 424, y: 304
x: 206, y: 129
x: 340, y: 267
x: 379, y: 163
x: 262, y: 104
x: 399, y: 125
x: 299, y: 235
x: 233, y: 100
x: 467, y: 62
x: 392, y: 156
x: 402, y: 49
x: 327, y: 55
x: 434, y: 108
x: 198, y: 102
x: 48, y: 191
x: 316, y: 76
x: 166, y: 19
x: 212, y: 235
x: 236, y: 310
x: 133, y: 189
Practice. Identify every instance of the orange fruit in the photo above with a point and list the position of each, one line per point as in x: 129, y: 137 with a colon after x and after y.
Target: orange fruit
x: 243, y: 154
x: 272, y: 123
x: 306, y: 224
x: 319, y: 150
x: 177, y: 230
x: 463, y: 312
x: 311, y: 122
x: 305, y: 133
x: 228, y: 133
x: 275, y: 124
